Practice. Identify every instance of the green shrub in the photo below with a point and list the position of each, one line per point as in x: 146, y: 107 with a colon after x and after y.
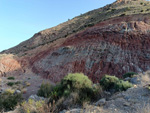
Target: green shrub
x: 123, y: 14
x: 45, y: 90
x: 123, y: 85
x: 76, y: 82
x: 74, y: 89
x: 11, y: 78
x: 13, y: 83
x: 113, y: 10
x: 128, y: 9
x: 18, y: 82
x: 142, y: 3
x: 10, y: 83
x: 90, y: 25
x: 111, y: 82
x: 129, y: 74
x: 9, y: 100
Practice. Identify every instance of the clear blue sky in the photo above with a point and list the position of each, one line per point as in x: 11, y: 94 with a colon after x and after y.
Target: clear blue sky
x: 21, y: 19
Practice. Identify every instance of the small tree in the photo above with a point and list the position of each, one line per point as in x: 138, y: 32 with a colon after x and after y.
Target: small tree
x: 45, y: 90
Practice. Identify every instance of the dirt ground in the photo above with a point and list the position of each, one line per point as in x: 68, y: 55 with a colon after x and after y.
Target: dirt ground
x: 29, y: 83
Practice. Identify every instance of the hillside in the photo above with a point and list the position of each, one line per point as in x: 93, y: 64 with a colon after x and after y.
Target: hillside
x: 102, y: 59
x: 110, y: 40
x: 77, y: 24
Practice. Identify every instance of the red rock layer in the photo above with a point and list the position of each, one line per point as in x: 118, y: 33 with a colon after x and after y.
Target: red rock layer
x: 114, y: 47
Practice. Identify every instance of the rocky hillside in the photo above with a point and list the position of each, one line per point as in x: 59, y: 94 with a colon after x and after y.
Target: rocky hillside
x: 110, y: 40
x: 134, y: 100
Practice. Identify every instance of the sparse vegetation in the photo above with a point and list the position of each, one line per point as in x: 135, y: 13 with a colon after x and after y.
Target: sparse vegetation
x: 17, y: 82
x: 9, y: 100
x: 112, y: 83
x: 13, y: 83
x: 27, y: 84
x: 10, y: 83
x: 92, y: 17
x: 123, y: 14
x: 45, y: 90
x: 128, y: 9
x: 75, y: 88
x: 112, y: 10
x: 11, y: 78
x: 129, y: 74
x: 32, y: 106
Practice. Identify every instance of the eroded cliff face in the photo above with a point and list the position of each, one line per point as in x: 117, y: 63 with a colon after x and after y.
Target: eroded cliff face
x: 10, y: 65
x: 114, y: 47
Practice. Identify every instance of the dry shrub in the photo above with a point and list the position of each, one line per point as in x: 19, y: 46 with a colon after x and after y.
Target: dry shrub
x: 32, y: 106
x: 65, y: 102
x: 145, y: 77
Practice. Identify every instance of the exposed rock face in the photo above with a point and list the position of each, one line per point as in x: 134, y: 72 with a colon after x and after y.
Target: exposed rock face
x: 113, y: 47
x: 9, y: 65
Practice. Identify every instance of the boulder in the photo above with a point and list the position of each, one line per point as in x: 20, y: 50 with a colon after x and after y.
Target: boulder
x: 101, y: 102
x: 36, y: 98
x: 17, y: 92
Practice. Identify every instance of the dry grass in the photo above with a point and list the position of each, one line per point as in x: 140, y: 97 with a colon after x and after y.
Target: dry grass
x: 34, y: 107
x: 145, y: 78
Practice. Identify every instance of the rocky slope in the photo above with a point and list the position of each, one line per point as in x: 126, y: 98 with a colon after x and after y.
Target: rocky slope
x: 110, y: 40
x: 134, y: 100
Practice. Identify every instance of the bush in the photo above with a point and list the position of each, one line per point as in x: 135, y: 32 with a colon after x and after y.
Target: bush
x: 130, y: 74
x: 128, y: 9
x: 113, y: 10
x: 113, y: 83
x: 11, y: 78
x: 76, y: 82
x: 123, y: 85
x: 45, y: 90
x: 10, y: 83
x: 33, y: 106
x: 123, y: 14
x: 9, y: 100
x: 74, y: 89
x: 90, y: 25
x: 18, y: 82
